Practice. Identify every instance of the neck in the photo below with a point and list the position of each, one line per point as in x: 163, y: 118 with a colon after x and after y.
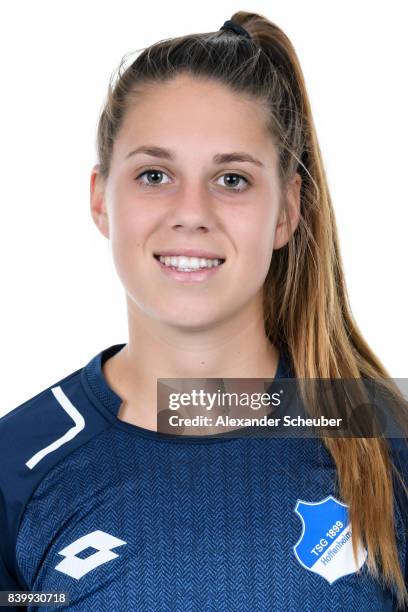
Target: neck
x: 237, y: 348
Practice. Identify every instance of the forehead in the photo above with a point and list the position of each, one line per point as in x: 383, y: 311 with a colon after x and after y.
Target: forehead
x: 197, y: 113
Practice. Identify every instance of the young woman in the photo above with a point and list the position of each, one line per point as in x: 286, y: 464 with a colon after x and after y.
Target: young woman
x: 211, y: 190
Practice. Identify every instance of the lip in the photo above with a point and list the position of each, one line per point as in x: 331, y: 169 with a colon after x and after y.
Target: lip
x: 197, y: 276
x: 188, y: 253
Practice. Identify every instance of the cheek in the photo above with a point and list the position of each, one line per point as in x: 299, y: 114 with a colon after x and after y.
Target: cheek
x: 128, y: 234
x: 255, y: 244
x: 131, y: 222
x: 266, y: 235
x: 125, y: 239
x: 256, y: 264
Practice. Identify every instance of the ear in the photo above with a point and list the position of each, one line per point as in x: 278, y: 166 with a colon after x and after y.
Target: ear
x: 282, y: 235
x: 98, y: 207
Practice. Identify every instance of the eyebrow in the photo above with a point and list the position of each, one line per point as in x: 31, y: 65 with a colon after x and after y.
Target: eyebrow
x: 219, y: 158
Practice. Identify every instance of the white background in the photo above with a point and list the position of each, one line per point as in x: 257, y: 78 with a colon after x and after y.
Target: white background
x: 61, y: 301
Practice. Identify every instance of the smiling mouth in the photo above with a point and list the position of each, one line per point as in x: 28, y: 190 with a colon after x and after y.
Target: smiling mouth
x: 204, y: 266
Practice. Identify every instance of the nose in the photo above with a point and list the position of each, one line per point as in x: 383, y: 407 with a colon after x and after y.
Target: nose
x: 193, y: 208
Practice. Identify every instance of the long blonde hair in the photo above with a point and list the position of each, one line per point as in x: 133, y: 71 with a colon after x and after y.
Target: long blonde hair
x: 305, y: 298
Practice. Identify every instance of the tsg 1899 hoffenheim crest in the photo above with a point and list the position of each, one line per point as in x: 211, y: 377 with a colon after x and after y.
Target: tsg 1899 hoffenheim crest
x: 325, y: 546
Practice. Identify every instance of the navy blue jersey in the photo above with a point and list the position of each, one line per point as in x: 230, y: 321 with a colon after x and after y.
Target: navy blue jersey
x: 124, y: 518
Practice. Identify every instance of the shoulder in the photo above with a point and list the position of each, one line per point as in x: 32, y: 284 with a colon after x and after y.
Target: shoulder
x: 28, y: 427
x: 398, y: 449
x: 35, y: 437
x: 399, y: 452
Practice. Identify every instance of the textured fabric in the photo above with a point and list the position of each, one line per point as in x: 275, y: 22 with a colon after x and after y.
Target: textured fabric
x: 171, y: 524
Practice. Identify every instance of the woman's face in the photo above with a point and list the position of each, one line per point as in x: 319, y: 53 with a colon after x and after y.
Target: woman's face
x: 194, y: 193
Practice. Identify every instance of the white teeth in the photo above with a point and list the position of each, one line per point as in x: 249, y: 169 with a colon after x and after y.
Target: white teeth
x: 188, y: 263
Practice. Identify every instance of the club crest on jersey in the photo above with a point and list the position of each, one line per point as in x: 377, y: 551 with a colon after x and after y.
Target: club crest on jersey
x: 325, y: 546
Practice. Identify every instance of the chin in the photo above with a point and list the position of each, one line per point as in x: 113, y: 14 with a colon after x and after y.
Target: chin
x: 186, y: 321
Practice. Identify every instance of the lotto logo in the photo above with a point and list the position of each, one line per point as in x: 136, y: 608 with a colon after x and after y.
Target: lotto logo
x: 77, y: 566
